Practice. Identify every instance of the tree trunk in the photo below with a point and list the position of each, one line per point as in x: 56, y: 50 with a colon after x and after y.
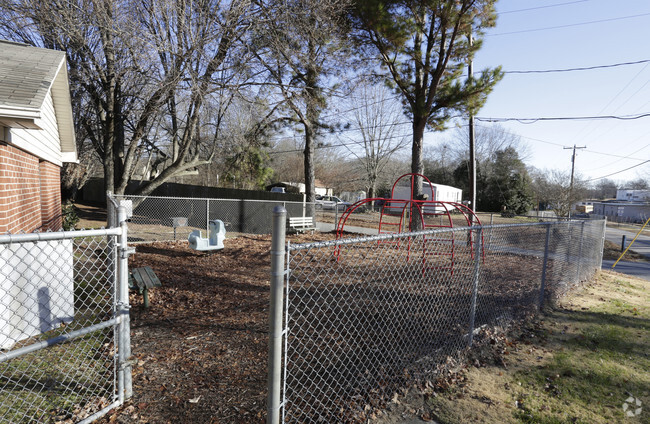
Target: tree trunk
x: 311, y: 99
x: 417, y: 167
x: 310, y: 176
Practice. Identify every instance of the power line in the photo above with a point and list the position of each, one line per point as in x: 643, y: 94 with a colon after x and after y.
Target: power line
x: 581, y: 133
x: 565, y: 118
x: 618, y: 172
x: 568, y: 147
x: 542, y: 7
x: 333, y: 145
x: 568, y: 25
x: 585, y: 68
x: 619, y: 156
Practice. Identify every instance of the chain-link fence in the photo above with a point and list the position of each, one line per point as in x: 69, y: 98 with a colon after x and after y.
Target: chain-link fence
x: 365, y: 317
x: 63, y: 325
x: 174, y: 218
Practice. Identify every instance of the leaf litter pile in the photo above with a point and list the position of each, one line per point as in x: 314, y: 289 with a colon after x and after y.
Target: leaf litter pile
x: 201, y: 348
x: 201, y: 351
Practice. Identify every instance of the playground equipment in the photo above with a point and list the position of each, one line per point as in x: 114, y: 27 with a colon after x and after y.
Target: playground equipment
x: 404, y: 213
x: 216, y: 235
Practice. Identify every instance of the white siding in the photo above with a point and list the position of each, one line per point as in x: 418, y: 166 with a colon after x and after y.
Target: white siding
x: 43, y: 143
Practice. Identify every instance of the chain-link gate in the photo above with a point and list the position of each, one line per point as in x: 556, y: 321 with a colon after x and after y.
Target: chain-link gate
x: 365, y: 317
x: 64, y: 325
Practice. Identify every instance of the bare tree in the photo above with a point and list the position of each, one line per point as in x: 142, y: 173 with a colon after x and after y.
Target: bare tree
x: 638, y: 184
x: 488, y: 140
x: 141, y: 73
x: 552, y: 188
x: 287, y: 159
x: 299, y: 45
x: 604, y: 189
x: 377, y: 128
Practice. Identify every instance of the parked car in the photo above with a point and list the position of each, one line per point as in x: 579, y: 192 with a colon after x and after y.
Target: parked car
x: 331, y: 202
x: 278, y: 190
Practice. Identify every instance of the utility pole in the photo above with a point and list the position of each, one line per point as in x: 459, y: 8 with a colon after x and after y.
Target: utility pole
x: 573, y: 168
x: 472, y: 148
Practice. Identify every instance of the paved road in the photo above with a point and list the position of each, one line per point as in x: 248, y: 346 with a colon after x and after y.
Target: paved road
x: 327, y: 227
x: 636, y: 269
x: 641, y: 245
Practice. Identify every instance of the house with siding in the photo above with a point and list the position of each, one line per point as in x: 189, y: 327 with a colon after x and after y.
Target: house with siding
x: 36, y: 136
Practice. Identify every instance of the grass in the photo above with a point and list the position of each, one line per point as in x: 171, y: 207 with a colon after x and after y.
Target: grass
x: 579, y: 364
x: 69, y: 380
x: 60, y: 382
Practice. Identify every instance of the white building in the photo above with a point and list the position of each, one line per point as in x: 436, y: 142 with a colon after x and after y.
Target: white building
x: 633, y: 195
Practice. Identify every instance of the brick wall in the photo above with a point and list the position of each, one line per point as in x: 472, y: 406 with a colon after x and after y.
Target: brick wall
x: 21, y: 207
x: 50, y: 176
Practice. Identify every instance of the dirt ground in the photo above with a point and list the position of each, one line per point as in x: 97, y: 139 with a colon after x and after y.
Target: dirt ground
x: 201, y: 348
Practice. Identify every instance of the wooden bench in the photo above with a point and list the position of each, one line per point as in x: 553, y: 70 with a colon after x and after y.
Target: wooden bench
x: 143, y: 279
x: 302, y: 223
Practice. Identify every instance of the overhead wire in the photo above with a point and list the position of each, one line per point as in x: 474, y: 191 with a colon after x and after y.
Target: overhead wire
x: 583, y: 68
x: 542, y: 7
x: 565, y: 118
x: 619, y: 172
x: 568, y: 25
x: 581, y: 133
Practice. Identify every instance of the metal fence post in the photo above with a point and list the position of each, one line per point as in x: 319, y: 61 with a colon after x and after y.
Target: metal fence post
x: 111, y: 218
x: 336, y: 215
x: 477, y: 261
x: 542, y: 287
x: 602, y: 244
x: 275, y: 314
x: 582, y: 233
x: 125, y: 389
x: 207, y: 217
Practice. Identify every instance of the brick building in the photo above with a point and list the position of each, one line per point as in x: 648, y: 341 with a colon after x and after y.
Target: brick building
x: 36, y: 136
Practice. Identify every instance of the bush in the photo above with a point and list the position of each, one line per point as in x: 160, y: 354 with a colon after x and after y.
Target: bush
x: 69, y: 216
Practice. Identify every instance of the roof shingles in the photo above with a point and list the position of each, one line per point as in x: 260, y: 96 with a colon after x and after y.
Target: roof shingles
x: 26, y: 74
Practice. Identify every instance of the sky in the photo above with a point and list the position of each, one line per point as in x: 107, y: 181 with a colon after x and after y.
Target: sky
x: 535, y: 35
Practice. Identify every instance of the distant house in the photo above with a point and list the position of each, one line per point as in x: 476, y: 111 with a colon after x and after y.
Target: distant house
x: 623, y: 211
x: 630, y: 205
x: 36, y: 136
x: 633, y: 195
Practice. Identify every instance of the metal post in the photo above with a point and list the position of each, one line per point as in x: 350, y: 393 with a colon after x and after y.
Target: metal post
x: 582, y: 233
x: 207, y: 217
x: 472, y: 145
x: 623, y: 243
x: 125, y: 389
x: 477, y: 261
x: 542, y: 287
x: 602, y: 244
x: 489, y: 243
x: 336, y: 215
x: 275, y: 314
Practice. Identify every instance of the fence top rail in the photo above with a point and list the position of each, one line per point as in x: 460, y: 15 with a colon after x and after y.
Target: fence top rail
x: 58, y: 235
x: 134, y: 196
x: 380, y: 237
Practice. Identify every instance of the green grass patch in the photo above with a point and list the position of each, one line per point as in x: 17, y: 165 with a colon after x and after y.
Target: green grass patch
x: 588, y: 356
